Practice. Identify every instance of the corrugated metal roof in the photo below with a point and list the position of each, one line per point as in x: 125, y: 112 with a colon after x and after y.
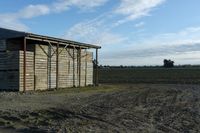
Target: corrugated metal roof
x: 8, y: 34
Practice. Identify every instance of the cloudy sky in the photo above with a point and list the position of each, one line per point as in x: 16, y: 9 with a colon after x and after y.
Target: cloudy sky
x: 131, y: 32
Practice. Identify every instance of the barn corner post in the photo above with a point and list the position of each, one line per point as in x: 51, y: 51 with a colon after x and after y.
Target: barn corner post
x: 24, y: 65
x: 57, y: 65
x: 79, y: 66
x: 73, y: 66
x: 96, y: 71
x: 85, y: 67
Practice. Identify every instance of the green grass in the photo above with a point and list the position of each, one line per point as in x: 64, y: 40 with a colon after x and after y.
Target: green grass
x: 150, y: 75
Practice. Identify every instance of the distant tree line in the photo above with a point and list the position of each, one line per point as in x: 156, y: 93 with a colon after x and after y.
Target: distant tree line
x: 175, y: 66
x: 166, y: 64
x: 124, y: 66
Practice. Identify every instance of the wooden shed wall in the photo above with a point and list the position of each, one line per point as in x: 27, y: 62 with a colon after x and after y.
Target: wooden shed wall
x: 41, y: 78
x: 68, y: 68
x: 2, y: 45
x: 9, y: 68
x: 89, y: 70
x: 41, y: 68
x: 29, y: 70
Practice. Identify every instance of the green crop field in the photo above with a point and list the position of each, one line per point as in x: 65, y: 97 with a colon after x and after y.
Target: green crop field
x: 150, y: 75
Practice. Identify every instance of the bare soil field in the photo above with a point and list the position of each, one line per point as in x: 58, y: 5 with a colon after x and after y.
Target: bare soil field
x: 108, y: 108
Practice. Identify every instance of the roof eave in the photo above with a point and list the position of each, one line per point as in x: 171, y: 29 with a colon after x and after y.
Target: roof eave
x: 58, y: 40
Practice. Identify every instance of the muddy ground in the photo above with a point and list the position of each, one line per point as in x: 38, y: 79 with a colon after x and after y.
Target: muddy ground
x: 108, y: 108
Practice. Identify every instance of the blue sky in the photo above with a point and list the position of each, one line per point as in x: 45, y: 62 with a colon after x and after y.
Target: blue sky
x: 131, y: 32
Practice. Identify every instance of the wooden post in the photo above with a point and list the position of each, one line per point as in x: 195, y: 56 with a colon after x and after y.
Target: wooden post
x: 97, y: 74
x: 34, y: 68
x: 77, y: 66
x: 49, y: 66
x: 86, y: 67
x: 73, y: 67
x: 57, y: 69
x: 24, y: 74
x: 80, y: 67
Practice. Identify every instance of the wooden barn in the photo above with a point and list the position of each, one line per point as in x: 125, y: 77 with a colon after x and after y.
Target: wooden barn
x: 35, y: 62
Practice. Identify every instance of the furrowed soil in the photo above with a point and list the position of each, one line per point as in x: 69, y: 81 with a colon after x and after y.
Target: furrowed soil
x: 108, y: 108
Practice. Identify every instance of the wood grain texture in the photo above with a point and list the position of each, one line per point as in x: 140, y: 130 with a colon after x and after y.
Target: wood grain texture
x: 9, y: 70
x: 41, y: 67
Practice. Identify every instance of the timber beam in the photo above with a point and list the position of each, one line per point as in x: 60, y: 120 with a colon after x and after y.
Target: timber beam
x: 96, y: 70
x: 24, y: 65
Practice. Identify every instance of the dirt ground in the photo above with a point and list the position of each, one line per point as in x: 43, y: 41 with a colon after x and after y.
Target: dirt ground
x: 108, y: 108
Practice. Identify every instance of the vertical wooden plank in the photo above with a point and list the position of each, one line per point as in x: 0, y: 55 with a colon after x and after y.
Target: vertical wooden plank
x: 34, y: 67
x: 57, y: 69
x: 29, y: 70
x: 96, y: 75
x: 79, y: 67
x: 49, y: 66
x: 41, y: 67
x: 24, y: 64
x: 86, y: 67
x: 73, y: 67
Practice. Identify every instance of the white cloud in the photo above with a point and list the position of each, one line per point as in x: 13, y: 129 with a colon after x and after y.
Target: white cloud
x: 140, y: 24
x: 10, y: 22
x: 93, y: 32
x: 83, y: 31
x: 33, y: 11
x: 183, y: 58
x: 109, y: 38
x: 14, y: 20
x: 189, y: 30
x: 134, y: 9
x: 131, y: 9
x: 63, y: 5
x: 181, y: 46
